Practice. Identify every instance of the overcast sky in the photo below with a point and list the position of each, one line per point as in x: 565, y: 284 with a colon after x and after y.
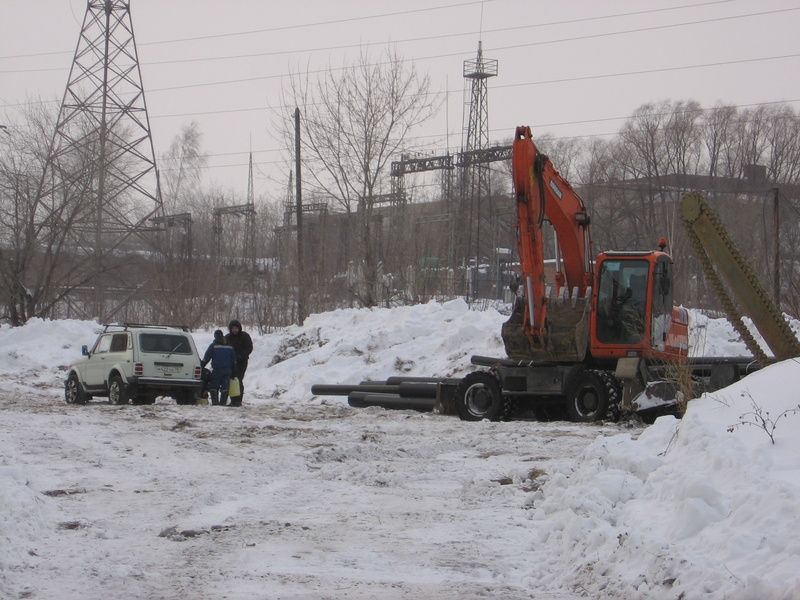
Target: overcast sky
x: 567, y: 68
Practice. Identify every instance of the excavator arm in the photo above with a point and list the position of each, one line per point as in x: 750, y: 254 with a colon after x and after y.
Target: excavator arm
x: 549, y: 326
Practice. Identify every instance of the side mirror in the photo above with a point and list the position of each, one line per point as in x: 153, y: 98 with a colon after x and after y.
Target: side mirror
x: 85, y: 350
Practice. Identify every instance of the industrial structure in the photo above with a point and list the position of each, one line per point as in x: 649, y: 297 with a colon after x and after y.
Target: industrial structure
x: 101, y: 164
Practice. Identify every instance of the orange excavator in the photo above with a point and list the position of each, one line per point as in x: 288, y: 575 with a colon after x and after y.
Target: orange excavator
x: 592, y: 334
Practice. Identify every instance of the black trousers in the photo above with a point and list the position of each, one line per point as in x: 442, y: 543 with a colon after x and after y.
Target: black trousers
x: 241, y: 369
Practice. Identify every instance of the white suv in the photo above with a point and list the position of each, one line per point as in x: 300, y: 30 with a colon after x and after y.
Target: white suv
x: 138, y: 363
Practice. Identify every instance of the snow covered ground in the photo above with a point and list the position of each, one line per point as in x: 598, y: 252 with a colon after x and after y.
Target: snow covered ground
x: 300, y: 497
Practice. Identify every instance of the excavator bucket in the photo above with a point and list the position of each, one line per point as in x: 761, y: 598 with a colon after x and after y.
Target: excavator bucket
x: 658, y: 398
x: 567, y: 328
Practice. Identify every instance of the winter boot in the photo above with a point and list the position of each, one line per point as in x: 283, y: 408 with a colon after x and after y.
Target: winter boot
x: 214, y: 397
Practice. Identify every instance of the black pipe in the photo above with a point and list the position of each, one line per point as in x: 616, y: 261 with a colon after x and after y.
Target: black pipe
x: 393, y: 402
x: 411, y: 389
x: 399, y: 379
x: 356, y: 399
x: 325, y: 389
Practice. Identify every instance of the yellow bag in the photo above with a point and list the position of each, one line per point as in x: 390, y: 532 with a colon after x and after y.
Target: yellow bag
x: 234, y: 389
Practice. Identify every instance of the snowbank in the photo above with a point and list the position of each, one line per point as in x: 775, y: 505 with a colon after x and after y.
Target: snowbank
x: 702, y: 507
x: 353, y: 345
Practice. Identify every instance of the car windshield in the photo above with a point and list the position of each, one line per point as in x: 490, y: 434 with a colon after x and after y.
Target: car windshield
x: 165, y: 343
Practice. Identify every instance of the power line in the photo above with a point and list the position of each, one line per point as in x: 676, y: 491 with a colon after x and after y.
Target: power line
x: 647, y: 71
x: 383, y: 15
x: 276, y: 162
x: 512, y: 47
x: 566, y: 79
x: 492, y: 130
x: 424, y: 58
x: 496, y: 87
x: 317, y: 24
x: 543, y: 82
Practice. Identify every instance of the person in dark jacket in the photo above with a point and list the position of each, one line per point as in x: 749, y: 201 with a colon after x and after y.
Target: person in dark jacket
x: 223, y: 362
x: 243, y: 346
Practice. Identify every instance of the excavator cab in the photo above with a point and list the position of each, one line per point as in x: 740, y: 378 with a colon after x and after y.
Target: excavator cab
x: 621, y: 300
x: 633, y: 313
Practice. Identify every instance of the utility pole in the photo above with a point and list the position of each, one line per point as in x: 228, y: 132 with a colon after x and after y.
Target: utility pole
x: 301, y: 310
x: 776, y: 221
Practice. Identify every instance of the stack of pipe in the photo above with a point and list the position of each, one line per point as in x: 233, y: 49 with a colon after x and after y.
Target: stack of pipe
x: 400, y: 393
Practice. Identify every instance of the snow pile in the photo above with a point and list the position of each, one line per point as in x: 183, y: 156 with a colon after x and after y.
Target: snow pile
x: 352, y: 345
x: 705, y: 506
x: 38, y: 353
x: 24, y: 515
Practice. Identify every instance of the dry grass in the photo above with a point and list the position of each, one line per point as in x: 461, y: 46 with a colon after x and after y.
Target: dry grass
x: 685, y: 385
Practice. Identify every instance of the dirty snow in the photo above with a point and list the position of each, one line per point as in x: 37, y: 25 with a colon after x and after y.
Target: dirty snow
x: 300, y: 497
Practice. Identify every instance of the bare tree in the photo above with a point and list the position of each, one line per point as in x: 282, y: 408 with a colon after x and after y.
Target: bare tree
x: 717, y: 133
x: 179, y: 294
x: 40, y: 262
x: 355, y: 119
x: 181, y: 169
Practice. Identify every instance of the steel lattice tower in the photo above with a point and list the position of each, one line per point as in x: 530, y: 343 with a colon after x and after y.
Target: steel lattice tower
x: 101, y: 155
x: 475, y: 173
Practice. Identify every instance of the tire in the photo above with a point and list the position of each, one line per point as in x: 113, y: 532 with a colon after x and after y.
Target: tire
x: 186, y: 398
x: 591, y: 395
x: 73, y: 391
x: 479, y: 397
x: 117, y: 391
x: 143, y: 400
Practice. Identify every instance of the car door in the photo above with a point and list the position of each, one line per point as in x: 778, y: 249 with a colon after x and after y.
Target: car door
x: 94, y: 373
x: 109, y: 350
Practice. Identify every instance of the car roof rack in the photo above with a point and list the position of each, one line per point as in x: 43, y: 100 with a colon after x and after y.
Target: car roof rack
x: 126, y: 326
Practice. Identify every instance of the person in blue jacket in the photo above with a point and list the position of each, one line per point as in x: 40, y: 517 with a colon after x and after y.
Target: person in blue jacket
x: 223, y: 360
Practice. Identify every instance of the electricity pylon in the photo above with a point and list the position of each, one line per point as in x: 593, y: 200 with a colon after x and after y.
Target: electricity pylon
x: 101, y: 163
x: 474, y: 186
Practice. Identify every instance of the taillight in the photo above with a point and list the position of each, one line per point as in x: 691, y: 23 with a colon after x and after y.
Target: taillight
x: 138, y: 369
x: 197, y: 372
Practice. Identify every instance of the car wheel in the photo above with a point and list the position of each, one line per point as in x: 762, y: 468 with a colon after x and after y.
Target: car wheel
x: 73, y: 392
x: 186, y: 398
x: 143, y: 400
x: 117, y: 391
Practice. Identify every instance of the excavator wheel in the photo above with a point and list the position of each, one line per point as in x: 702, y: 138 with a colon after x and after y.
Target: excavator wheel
x: 479, y: 397
x: 591, y: 394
